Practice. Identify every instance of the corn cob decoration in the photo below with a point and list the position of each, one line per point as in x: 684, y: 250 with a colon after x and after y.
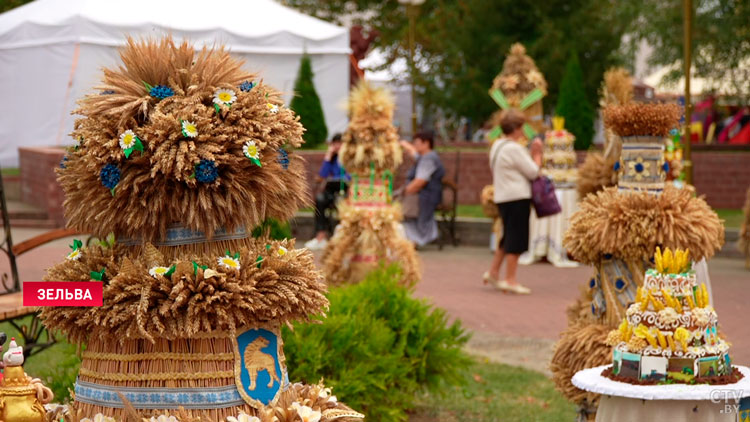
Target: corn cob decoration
x: 682, y: 335
x: 669, y: 262
x: 643, y: 332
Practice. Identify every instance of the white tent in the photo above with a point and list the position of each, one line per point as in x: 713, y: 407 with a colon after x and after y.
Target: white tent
x: 52, y: 51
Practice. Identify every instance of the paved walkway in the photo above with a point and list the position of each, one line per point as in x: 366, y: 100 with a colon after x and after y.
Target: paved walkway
x: 512, y: 329
x: 507, y: 323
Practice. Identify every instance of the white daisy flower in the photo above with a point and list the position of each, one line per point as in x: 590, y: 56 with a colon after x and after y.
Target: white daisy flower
x: 250, y: 149
x: 306, y: 413
x: 243, y: 417
x: 189, y: 129
x: 229, y: 262
x: 157, y: 271
x: 99, y: 418
x: 73, y: 256
x: 282, y: 251
x: 224, y: 96
x: 273, y: 108
x: 164, y: 418
x: 127, y: 139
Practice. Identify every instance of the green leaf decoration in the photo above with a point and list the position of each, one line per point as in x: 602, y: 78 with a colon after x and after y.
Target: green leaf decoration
x: 256, y: 162
x: 236, y: 255
x: 138, y: 144
x: 216, y: 107
x: 192, y: 176
x: 196, y: 266
x: 531, y: 98
x: 494, y: 133
x: 171, y: 271
x: 77, y: 244
x: 98, y: 276
x: 111, y: 239
x: 528, y: 131
x: 112, y: 191
x: 268, y: 247
x: 258, y: 261
x: 148, y: 87
x: 499, y: 98
x: 128, y: 152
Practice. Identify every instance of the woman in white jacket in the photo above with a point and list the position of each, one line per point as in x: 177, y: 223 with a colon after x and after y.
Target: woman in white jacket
x: 513, y: 170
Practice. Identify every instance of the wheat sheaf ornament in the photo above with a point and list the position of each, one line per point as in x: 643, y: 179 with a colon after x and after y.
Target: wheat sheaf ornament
x: 179, y: 135
x: 180, y: 155
x: 370, y: 231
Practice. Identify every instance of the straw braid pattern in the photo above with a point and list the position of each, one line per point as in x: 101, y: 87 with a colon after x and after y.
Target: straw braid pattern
x: 158, y: 356
x: 159, y: 376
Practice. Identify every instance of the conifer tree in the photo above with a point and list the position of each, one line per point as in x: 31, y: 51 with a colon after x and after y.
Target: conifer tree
x: 306, y: 104
x: 572, y: 104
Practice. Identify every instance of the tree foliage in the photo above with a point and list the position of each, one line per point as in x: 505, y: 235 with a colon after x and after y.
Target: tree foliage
x: 6, y: 5
x: 306, y: 104
x: 462, y: 44
x: 721, y: 39
x: 573, y: 105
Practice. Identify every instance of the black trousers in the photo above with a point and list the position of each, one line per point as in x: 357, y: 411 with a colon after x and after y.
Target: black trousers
x: 323, y: 201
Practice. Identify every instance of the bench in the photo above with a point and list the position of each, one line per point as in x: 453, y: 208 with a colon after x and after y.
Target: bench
x: 447, y: 211
x: 11, y: 296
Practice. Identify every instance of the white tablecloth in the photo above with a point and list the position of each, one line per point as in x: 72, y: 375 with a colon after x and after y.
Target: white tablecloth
x: 546, y: 234
x: 621, y: 402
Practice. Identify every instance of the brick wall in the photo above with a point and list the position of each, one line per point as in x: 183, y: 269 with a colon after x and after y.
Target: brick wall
x: 722, y: 176
x: 38, y: 180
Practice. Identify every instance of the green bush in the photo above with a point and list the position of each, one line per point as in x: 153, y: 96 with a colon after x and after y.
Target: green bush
x: 60, y: 377
x: 307, y: 105
x: 572, y: 104
x: 378, y: 347
x: 276, y: 229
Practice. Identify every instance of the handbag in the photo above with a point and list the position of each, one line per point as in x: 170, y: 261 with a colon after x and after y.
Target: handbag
x: 410, y: 206
x: 543, y: 196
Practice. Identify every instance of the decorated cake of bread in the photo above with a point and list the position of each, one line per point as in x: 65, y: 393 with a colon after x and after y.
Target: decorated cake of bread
x: 670, y: 332
x: 559, y: 155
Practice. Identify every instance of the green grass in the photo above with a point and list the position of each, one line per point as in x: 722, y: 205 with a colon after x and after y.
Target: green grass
x: 732, y: 217
x: 494, y: 392
x: 10, y: 171
x: 56, y: 366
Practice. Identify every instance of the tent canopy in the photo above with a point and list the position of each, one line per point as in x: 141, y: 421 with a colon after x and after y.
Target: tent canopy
x: 51, y: 53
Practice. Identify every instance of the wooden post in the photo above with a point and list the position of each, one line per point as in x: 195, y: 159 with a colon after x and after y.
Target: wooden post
x: 687, y: 47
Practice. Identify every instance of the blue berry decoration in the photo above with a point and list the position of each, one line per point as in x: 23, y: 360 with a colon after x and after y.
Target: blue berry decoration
x: 283, y: 158
x: 161, y: 92
x: 110, y: 177
x: 639, y: 167
x: 206, y: 172
x: 247, y: 86
x: 617, y: 166
x: 62, y: 162
x: 665, y: 167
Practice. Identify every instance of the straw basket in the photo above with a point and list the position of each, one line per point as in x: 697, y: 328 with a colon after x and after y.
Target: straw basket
x: 197, y: 374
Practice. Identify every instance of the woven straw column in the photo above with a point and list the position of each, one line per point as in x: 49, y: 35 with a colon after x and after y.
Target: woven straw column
x: 180, y: 154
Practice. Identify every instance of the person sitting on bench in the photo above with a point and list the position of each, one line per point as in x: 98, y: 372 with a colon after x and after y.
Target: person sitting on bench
x: 331, y: 181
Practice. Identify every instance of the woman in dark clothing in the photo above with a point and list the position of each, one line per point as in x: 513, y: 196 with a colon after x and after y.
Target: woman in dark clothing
x: 424, y: 179
x: 333, y: 180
